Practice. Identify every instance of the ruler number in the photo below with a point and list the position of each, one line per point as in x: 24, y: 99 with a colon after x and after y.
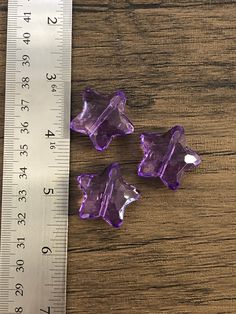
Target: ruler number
x: 26, y: 38
x: 20, y: 266
x: 26, y: 60
x: 18, y: 310
x: 19, y: 290
x: 46, y: 250
x: 27, y: 17
x: 49, y: 134
x: 24, y: 150
x: 48, y: 191
x: 52, y: 145
x: 51, y: 77
x: 25, y: 82
x: 23, y: 106
x: 24, y: 127
x: 48, y: 311
x: 22, y: 198
x: 23, y: 174
x: 54, y: 88
x: 21, y: 219
x: 21, y: 244
x: 52, y: 21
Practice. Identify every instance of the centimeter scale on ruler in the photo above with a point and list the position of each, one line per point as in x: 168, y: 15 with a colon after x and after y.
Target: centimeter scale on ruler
x: 34, y: 220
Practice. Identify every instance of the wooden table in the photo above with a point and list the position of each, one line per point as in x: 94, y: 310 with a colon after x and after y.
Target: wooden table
x: 176, y: 60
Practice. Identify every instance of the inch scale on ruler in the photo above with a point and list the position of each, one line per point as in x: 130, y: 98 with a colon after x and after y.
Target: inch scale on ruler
x: 34, y: 221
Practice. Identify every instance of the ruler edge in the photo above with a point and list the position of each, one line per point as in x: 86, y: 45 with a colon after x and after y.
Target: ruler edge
x: 10, y: 20
x: 70, y: 30
x: 7, y: 66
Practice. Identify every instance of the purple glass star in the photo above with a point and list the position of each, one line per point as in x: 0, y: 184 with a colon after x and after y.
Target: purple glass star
x: 106, y: 195
x: 166, y: 156
x: 102, y: 118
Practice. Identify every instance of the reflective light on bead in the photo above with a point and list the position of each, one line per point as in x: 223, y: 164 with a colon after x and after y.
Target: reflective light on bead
x: 166, y: 156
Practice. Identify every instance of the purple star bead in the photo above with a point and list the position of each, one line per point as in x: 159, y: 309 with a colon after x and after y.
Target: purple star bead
x: 102, y: 118
x: 106, y: 195
x: 166, y: 156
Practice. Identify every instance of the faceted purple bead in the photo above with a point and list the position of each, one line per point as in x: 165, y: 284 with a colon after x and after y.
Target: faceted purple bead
x: 106, y: 195
x: 166, y: 156
x: 102, y: 118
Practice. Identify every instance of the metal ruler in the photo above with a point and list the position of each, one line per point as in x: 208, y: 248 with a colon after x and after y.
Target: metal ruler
x: 34, y: 221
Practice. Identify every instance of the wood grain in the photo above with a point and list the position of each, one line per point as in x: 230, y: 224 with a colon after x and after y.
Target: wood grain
x: 176, y: 60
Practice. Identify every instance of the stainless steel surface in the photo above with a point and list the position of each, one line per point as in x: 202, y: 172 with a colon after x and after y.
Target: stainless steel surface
x: 34, y: 220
